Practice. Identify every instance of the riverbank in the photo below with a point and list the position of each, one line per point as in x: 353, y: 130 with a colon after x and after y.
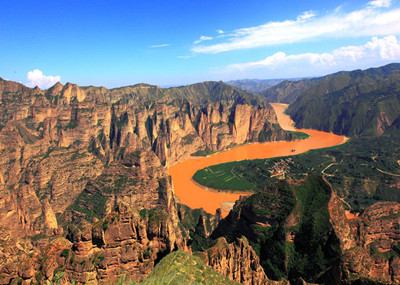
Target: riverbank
x: 196, y: 196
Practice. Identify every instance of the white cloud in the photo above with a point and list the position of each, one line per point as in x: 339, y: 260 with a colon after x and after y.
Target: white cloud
x: 37, y: 78
x: 159, y: 46
x: 203, y: 38
x: 370, y: 21
x: 374, y: 52
x: 380, y: 3
x: 220, y: 31
x: 305, y: 16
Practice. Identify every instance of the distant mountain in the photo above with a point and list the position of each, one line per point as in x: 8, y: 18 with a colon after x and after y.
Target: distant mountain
x: 198, y: 93
x: 356, y: 103
x: 287, y: 91
x: 254, y: 85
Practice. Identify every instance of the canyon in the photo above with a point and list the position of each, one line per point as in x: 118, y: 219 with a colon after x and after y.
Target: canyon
x: 91, y: 191
x: 85, y: 191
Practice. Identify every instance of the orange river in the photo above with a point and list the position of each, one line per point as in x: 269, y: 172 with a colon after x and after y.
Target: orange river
x: 196, y: 196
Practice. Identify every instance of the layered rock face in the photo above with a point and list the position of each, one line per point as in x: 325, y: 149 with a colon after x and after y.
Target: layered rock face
x: 370, y: 241
x: 238, y: 261
x: 81, y: 156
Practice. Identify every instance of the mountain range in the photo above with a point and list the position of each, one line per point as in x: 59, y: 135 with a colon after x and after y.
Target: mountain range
x: 86, y: 197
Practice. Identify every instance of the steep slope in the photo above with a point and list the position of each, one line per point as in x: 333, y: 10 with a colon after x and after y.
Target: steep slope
x: 254, y: 85
x: 306, y: 235
x: 182, y: 268
x: 351, y: 103
x: 289, y: 230
x: 87, y: 165
x: 288, y: 90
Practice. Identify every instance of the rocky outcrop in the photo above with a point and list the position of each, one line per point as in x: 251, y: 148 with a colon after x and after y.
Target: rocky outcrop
x: 369, y: 242
x: 123, y: 244
x: 237, y: 261
x: 80, y: 156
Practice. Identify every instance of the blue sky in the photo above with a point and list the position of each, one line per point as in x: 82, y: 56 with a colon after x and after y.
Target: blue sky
x: 167, y: 43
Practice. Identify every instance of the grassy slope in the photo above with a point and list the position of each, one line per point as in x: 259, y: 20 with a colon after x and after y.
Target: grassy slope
x: 263, y: 219
x: 222, y: 176
x: 182, y: 268
x: 351, y: 103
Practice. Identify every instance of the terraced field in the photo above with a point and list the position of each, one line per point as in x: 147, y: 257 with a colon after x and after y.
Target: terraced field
x: 223, y: 176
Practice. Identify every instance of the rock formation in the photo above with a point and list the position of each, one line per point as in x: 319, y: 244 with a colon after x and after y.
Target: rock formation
x: 87, y: 165
x: 238, y: 261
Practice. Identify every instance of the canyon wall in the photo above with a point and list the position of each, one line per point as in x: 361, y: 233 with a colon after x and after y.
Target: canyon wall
x: 85, y: 192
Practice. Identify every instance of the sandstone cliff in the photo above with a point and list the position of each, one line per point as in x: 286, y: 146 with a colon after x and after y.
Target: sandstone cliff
x: 238, y: 261
x: 369, y: 242
x: 87, y: 163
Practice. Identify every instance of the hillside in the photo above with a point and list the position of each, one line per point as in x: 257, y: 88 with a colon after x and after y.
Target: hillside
x: 84, y: 180
x: 86, y: 196
x: 183, y: 268
x: 199, y: 93
x: 288, y: 90
x: 254, y: 85
x: 357, y: 103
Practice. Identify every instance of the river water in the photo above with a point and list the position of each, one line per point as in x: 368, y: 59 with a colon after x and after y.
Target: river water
x: 196, y: 196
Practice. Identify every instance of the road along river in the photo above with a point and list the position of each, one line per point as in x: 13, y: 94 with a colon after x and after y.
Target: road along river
x: 196, y: 196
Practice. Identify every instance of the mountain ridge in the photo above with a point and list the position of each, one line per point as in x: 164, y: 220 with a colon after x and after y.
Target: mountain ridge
x: 360, y: 102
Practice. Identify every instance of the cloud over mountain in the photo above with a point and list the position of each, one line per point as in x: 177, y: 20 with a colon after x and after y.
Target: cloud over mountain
x: 37, y: 78
x: 376, y: 19
x: 373, y: 52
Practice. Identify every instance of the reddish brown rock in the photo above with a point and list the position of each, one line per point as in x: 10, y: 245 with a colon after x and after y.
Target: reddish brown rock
x: 237, y: 261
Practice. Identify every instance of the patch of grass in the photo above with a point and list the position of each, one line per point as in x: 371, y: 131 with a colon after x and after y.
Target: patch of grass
x: 188, y: 139
x: 71, y: 125
x: 26, y: 135
x: 204, y: 152
x: 183, y: 268
x: 64, y: 253
x: 91, y: 204
x: 223, y: 176
x: 300, y: 135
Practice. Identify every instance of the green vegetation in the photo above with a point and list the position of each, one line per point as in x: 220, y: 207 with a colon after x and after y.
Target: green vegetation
x: 362, y: 171
x: 223, y: 176
x: 261, y: 219
x: 300, y: 135
x: 105, y: 224
x: 188, y: 139
x: 264, y: 135
x: 204, y: 152
x: 354, y: 103
x: 270, y: 129
x: 316, y: 247
x: 183, y: 268
x: 288, y: 91
x: 117, y: 183
x: 192, y: 228
x: 64, y: 253
x: 155, y: 216
x: 71, y: 125
x: 282, y: 209
x: 90, y: 203
x: 26, y: 135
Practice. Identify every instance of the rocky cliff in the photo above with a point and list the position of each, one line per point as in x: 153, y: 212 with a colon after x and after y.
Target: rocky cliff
x: 309, y: 239
x: 369, y: 242
x: 87, y: 165
x: 238, y: 261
